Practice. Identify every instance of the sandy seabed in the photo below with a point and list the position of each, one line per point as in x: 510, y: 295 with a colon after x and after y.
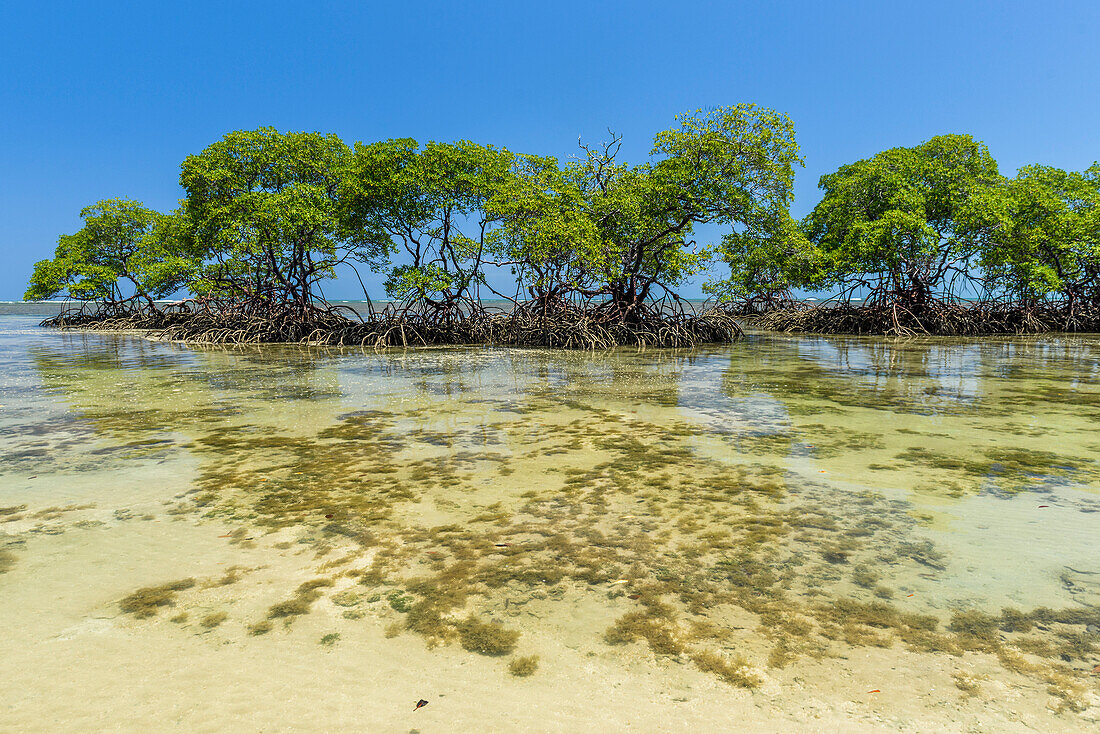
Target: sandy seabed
x: 628, y: 518
x: 79, y: 664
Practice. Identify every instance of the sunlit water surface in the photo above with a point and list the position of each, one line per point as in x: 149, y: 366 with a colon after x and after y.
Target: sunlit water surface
x: 735, y: 509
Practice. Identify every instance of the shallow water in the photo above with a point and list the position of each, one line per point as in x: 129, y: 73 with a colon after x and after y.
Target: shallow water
x: 728, y: 519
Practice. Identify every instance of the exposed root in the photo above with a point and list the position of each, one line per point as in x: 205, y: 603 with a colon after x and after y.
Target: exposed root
x: 941, y: 319
x: 568, y: 327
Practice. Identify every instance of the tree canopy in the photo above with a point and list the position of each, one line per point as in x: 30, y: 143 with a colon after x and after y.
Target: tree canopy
x: 1050, y: 244
x: 766, y: 265
x: 600, y: 229
x: 268, y: 216
x: 432, y: 205
x: 263, y: 211
x: 907, y: 224
x: 125, y: 253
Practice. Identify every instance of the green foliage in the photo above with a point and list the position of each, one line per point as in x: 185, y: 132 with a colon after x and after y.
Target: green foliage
x: 766, y: 265
x: 167, y: 260
x: 908, y: 223
x: 546, y: 233
x: 411, y: 283
x: 602, y: 229
x: 51, y: 277
x: 263, y: 210
x: 268, y: 216
x: 1051, y: 245
x: 123, y: 251
x: 431, y: 204
x: 731, y: 166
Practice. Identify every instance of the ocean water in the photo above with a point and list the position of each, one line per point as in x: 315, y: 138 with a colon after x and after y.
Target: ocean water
x: 810, y: 531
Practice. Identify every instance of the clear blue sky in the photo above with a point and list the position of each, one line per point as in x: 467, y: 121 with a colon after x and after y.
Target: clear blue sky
x: 100, y: 100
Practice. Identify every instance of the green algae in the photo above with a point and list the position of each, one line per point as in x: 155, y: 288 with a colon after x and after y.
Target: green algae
x: 523, y: 667
x: 655, y: 630
x: 975, y: 630
x: 1013, y: 470
x: 231, y: 576
x: 633, y: 512
x: 734, y: 671
x: 400, y: 602
x: 347, y: 598
x: 865, y: 576
x: 13, y: 510
x: 149, y: 600
x: 7, y: 560
x: 214, y: 619
x: 486, y: 638
x: 302, y: 601
x: 968, y: 684
x: 260, y: 628
x: 923, y: 552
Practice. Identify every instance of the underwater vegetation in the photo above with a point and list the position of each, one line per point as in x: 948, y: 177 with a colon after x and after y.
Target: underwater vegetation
x: 212, y: 620
x: 968, y: 684
x: 301, y: 602
x: 667, y: 533
x: 147, y: 601
x: 1010, y: 470
x: 735, y: 671
x: 399, y: 601
x: 525, y: 666
x: 865, y: 576
x: 260, y: 628
x: 702, y: 547
x: 923, y: 552
x: 655, y: 629
x: 347, y: 598
x: 486, y: 638
x: 7, y: 560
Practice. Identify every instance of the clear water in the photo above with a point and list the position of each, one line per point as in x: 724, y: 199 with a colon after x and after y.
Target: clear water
x: 732, y: 513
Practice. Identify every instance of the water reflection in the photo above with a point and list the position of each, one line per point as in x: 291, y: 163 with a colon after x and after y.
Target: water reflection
x: 832, y: 489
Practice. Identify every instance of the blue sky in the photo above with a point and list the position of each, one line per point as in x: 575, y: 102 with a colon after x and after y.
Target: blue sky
x: 100, y: 100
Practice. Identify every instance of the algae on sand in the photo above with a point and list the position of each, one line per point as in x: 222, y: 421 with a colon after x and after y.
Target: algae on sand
x: 668, y: 492
x: 486, y: 638
x: 525, y: 666
x: 147, y: 601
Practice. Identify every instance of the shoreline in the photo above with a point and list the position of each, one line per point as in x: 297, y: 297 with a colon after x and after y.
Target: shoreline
x: 564, y: 329
x: 581, y: 330
x: 935, y: 320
